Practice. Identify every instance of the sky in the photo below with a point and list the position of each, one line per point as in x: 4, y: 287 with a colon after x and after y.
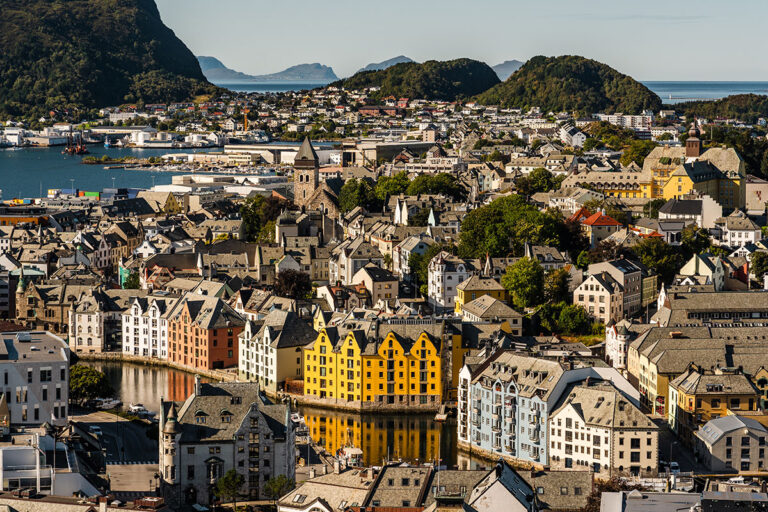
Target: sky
x: 649, y: 39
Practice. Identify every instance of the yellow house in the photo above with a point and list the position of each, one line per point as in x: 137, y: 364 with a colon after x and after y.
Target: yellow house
x: 375, y: 364
x: 475, y: 287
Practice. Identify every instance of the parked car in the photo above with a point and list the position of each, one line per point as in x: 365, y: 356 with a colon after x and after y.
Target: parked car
x: 674, y: 468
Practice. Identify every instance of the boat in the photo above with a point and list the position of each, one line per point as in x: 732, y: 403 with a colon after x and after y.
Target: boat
x: 108, y: 403
x: 137, y: 408
x: 297, y: 418
x: 109, y: 144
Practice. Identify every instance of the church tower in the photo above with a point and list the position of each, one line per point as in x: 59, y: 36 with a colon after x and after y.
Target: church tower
x: 306, y: 174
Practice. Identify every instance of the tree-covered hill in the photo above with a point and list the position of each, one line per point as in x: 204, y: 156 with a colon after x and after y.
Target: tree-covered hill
x: 571, y: 83
x: 90, y: 53
x: 745, y: 107
x: 432, y: 80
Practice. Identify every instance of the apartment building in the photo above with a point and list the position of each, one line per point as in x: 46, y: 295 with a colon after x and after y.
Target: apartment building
x: 629, y: 275
x: 202, y: 332
x: 145, y: 326
x: 597, y: 427
x: 505, y: 404
x: 221, y: 427
x: 35, y: 369
x: 445, y: 272
x: 602, y: 296
x: 377, y: 364
x: 732, y: 443
x: 476, y: 286
x: 272, y: 353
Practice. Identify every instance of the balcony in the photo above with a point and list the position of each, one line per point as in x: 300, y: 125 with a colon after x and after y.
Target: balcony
x: 535, y: 437
x: 496, y: 426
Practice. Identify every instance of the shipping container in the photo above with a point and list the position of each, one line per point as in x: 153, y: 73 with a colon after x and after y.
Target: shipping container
x: 92, y: 194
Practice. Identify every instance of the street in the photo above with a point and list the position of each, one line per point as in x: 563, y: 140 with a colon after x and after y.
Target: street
x: 125, y: 442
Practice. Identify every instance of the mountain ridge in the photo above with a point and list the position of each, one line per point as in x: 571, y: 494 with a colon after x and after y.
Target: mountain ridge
x: 83, y: 54
x: 432, y: 80
x: 216, y: 71
x: 506, y: 68
x: 571, y: 83
x: 378, y: 66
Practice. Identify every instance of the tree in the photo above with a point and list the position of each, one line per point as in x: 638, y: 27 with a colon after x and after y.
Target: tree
x: 583, y: 260
x: 694, y: 240
x: 524, y: 280
x: 636, y: 152
x: 419, y: 263
x: 356, y: 193
x: 387, y: 186
x: 440, y: 183
x: 228, y: 487
x: 556, y: 285
x: 615, y: 484
x: 293, y: 284
x: 251, y: 213
x: 651, y: 208
x: 759, y: 262
x: 420, y: 218
x: 660, y: 257
x: 503, y: 226
x: 132, y: 282
x: 278, y: 486
x: 87, y: 383
x: 574, y: 319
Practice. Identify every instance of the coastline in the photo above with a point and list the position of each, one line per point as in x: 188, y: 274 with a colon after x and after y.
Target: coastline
x: 223, y: 376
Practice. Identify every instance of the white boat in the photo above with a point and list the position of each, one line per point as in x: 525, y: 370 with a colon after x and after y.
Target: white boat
x: 137, y: 408
x: 108, y: 403
x: 297, y: 418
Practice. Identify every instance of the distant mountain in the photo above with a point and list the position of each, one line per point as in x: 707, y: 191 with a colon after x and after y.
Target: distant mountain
x: 302, y: 72
x: 216, y: 71
x: 91, y: 53
x: 505, y: 69
x: 431, y: 80
x: 376, y: 66
x: 571, y: 83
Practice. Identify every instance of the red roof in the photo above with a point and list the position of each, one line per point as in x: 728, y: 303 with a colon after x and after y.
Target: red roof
x: 600, y: 219
x: 581, y: 214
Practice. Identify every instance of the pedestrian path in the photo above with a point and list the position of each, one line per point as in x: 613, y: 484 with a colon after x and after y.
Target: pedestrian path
x: 127, y: 462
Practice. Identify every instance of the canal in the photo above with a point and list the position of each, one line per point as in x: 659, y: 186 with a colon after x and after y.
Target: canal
x: 410, y: 437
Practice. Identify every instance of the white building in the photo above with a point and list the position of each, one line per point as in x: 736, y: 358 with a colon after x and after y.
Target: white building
x: 272, y: 354
x: 597, y: 427
x: 35, y: 369
x: 145, y: 327
x: 445, y: 273
x: 350, y: 256
x: 602, y: 296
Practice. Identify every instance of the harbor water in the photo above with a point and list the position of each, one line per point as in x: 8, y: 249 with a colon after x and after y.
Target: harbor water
x: 410, y: 437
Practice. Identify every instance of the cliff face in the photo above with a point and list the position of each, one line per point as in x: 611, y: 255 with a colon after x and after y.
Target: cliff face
x: 90, y: 53
x: 571, y: 83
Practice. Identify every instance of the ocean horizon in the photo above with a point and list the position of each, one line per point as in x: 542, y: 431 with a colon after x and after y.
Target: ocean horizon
x: 670, y: 91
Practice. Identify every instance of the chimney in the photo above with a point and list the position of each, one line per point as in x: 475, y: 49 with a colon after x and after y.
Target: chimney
x: 102, y: 504
x: 311, y: 473
x: 336, y: 467
x: 198, y: 386
x: 371, y: 475
x: 325, y: 469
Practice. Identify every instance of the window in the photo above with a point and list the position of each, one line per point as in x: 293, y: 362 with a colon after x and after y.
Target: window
x: 563, y: 491
x: 190, y: 472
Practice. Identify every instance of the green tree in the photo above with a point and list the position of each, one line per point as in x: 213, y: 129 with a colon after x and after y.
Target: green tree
x: 524, y: 280
x: 356, y: 193
x: 694, y: 240
x: 664, y: 136
x: 574, y: 319
x: 419, y: 263
x: 759, y: 262
x: 660, y: 257
x: 503, y: 226
x: 228, y: 487
x: 636, y: 152
x: 440, y: 183
x: 420, y: 218
x: 387, y: 186
x: 583, y: 260
x: 87, y: 383
x: 278, y: 486
x: 251, y: 213
x: 132, y: 282
x: 556, y: 285
x: 293, y: 284
x: 651, y: 208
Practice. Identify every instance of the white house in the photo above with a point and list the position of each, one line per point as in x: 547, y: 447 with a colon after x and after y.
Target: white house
x: 445, y: 273
x: 145, y: 327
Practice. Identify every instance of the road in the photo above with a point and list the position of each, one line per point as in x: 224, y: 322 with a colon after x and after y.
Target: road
x: 125, y: 442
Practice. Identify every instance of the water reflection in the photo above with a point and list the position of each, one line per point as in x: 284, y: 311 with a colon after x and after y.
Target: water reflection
x: 410, y: 437
x: 137, y: 383
x: 413, y: 438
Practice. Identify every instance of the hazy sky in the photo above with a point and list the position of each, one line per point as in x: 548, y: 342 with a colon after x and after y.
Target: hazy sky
x: 650, y: 39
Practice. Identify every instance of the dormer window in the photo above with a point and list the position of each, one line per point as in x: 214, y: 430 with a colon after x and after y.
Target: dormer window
x: 200, y: 417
